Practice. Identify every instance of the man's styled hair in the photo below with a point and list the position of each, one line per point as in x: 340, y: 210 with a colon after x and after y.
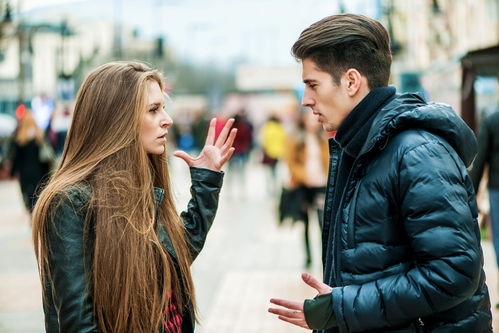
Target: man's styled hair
x: 339, y: 42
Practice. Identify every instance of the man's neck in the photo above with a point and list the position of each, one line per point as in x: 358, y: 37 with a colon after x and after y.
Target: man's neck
x: 353, y: 131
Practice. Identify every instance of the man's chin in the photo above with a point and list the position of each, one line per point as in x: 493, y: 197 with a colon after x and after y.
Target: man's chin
x: 328, y: 127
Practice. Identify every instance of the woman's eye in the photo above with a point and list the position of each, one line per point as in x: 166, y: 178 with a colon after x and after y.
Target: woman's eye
x: 153, y: 110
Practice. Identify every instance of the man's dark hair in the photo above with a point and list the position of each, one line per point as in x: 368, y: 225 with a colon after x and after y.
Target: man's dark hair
x: 339, y: 42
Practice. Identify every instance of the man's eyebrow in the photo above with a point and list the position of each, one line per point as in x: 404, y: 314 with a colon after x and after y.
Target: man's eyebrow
x: 309, y: 81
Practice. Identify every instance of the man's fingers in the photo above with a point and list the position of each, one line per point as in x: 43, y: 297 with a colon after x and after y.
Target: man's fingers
x: 293, y: 312
x: 321, y: 287
x: 286, y: 313
x: 293, y: 305
x: 297, y: 322
x: 210, y: 137
x: 223, y: 134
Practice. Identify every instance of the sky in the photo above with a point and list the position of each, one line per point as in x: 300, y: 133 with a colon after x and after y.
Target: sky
x: 220, y: 32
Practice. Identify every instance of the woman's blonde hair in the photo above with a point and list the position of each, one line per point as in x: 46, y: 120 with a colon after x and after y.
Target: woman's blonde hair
x: 132, y: 276
x: 28, y: 130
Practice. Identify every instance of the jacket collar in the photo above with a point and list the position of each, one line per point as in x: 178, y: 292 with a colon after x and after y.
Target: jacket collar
x: 159, y: 195
x: 353, y: 132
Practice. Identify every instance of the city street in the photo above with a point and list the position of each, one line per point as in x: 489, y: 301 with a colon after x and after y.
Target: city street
x: 247, y: 260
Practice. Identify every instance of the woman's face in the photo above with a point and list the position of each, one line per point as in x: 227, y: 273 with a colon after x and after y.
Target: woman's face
x: 155, y: 121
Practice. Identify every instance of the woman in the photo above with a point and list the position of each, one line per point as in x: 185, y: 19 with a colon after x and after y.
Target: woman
x: 26, y: 162
x: 113, y: 253
x: 307, y: 158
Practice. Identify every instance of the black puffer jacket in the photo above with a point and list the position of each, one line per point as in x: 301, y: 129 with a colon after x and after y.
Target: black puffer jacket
x: 406, y: 249
x: 68, y: 304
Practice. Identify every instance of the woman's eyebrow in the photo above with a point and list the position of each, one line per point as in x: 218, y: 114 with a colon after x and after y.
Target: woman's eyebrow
x: 155, y: 104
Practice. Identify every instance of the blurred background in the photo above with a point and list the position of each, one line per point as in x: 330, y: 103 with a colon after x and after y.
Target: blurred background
x: 221, y: 58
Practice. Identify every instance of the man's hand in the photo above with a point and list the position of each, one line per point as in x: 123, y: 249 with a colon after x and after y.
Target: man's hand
x: 215, y: 152
x: 293, y: 312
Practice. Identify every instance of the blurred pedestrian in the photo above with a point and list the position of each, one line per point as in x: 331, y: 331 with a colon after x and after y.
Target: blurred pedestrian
x: 27, y: 161
x: 307, y: 158
x: 242, y: 145
x: 488, y: 155
x: 200, y: 129
x: 113, y: 253
x: 401, y: 245
x: 43, y: 106
x: 59, y: 124
x: 273, y: 143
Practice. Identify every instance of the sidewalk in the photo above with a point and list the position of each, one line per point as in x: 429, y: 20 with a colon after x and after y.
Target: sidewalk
x: 247, y: 260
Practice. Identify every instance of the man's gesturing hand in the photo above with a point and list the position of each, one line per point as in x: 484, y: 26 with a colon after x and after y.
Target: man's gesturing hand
x: 293, y: 310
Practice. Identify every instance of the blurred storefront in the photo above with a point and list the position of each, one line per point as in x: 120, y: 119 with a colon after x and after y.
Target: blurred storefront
x: 442, y: 46
x: 479, y: 63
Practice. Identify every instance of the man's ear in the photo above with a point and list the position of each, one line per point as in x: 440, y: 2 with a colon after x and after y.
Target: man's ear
x: 353, y: 81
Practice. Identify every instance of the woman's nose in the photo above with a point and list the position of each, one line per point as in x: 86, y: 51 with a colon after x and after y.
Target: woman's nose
x: 166, y: 121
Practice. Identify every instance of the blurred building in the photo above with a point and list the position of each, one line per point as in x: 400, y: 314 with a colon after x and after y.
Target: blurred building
x: 431, y: 39
x: 50, y: 56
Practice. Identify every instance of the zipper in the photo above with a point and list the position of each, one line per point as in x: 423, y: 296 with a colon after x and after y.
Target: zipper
x: 328, y: 214
x: 351, y: 212
x: 338, y: 220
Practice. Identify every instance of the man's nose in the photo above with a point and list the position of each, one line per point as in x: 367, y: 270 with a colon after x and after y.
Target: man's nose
x: 307, y: 101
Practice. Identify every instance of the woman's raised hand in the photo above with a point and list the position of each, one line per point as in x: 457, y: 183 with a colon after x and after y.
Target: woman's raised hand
x: 216, y: 152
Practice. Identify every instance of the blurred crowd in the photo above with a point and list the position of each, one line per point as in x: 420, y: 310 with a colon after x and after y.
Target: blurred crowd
x: 292, y: 149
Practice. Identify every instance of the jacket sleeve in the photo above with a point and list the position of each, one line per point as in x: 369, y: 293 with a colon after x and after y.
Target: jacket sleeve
x: 482, y: 156
x: 202, y: 207
x: 440, y: 224
x: 67, y: 282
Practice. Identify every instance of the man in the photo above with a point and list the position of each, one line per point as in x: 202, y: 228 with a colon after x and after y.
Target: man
x: 401, y: 246
x: 488, y: 154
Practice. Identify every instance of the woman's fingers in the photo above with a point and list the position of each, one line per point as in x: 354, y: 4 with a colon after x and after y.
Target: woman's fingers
x: 227, y: 155
x: 183, y: 155
x: 223, y: 134
x: 210, y: 137
x: 230, y: 140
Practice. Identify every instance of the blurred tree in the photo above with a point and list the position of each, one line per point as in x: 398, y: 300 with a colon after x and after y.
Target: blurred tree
x: 186, y: 78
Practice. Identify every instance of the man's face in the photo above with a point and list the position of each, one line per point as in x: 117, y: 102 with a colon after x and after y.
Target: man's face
x: 329, y: 101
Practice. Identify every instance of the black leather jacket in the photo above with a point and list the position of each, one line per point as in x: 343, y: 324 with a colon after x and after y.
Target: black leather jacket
x: 67, y: 305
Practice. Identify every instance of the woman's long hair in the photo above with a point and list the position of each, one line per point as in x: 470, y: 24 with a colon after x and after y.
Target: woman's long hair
x: 28, y: 130
x: 132, y: 276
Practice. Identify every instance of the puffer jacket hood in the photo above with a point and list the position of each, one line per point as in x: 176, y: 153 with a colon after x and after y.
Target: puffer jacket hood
x: 412, y: 111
